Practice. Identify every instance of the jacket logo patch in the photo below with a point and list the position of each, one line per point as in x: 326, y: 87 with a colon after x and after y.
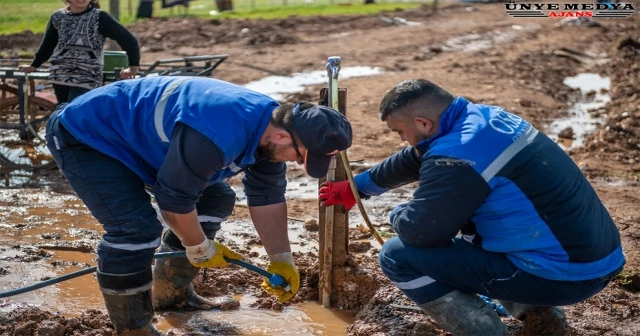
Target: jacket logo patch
x: 505, y: 123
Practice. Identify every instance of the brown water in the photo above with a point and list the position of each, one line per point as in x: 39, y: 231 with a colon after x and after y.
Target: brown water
x: 32, y: 217
x: 309, y: 318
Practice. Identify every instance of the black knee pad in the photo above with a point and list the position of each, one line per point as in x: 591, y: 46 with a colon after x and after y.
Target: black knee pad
x: 210, y: 229
x: 217, y: 200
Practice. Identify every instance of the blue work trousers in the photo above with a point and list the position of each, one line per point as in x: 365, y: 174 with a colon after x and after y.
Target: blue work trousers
x: 425, y: 274
x: 117, y: 198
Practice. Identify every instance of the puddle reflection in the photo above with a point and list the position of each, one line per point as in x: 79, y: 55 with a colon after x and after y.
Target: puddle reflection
x: 594, y: 95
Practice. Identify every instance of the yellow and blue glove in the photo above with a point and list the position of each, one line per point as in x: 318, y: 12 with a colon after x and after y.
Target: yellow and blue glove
x: 210, y: 254
x: 282, y: 265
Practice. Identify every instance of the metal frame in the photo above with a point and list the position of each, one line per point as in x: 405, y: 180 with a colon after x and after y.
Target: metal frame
x: 186, y: 66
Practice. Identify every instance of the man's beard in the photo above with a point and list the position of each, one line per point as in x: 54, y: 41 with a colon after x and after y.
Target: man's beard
x: 270, y: 151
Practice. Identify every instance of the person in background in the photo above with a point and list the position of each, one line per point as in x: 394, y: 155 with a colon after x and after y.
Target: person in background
x: 74, y: 41
x: 145, y: 9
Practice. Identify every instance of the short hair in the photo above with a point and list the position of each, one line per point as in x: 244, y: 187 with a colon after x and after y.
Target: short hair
x: 282, y: 117
x: 434, y: 99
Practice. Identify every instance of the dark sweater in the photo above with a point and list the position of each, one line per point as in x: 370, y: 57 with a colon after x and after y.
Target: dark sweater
x: 74, y: 42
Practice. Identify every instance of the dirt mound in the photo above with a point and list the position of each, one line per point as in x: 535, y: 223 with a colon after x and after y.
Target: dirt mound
x: 236, y: 280
x: 619, y: 139
x: 378, y: 317
x: 612, y: 312
x: 173, y: 33
x: 357, y: 282
x: 539, y: 72
x: 22, y: 320
x: 228, y: 281
x: 542, y: 71
x: 20, y: 41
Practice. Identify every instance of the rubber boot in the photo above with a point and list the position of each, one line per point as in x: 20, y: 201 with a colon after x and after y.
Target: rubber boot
x: 465, y: 314
x: 538, y: 319
x: 172, y: 287
x: 128, y: 302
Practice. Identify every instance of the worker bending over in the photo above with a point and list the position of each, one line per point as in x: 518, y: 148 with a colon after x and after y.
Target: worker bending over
x: 184, y: 136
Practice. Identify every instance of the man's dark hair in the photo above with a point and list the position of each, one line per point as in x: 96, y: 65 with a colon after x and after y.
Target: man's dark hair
x: 282, y: 117
x: 433, y: 99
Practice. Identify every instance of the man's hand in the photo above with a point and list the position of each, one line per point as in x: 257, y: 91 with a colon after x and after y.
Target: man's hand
x: 210, y: 254
x: 26, y: 68
x: 282, y: 265
x: 129, y: 72
x: 332, y: 193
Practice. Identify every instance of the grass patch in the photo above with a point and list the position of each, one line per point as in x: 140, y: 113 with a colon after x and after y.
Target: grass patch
x: 629, y: 280
x: 19, y: 15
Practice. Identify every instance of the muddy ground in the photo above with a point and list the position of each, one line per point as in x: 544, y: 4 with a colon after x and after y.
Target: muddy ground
x: 476, y: 51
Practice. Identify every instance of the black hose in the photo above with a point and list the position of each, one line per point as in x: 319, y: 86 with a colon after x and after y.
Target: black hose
x: 89, y: 270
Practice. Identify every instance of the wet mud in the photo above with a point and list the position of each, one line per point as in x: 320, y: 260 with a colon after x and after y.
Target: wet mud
x: 23, y: 320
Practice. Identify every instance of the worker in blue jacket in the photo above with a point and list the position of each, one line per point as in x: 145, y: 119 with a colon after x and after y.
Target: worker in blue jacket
x: 534, y: 234
x: 184, y: 136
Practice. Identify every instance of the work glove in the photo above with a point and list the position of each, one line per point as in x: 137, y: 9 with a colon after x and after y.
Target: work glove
x: 282, y: 265
x: 332, y: 193
x: 395, y: 211
x: 210, y: 254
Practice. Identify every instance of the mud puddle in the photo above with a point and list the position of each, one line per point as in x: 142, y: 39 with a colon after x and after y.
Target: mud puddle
x: 584, y: 115
x: 11, y: 148
x: 308, y: 318
x: 47, y: 235
x: 14, y: 178
x: 482, y: 41
x: 307, y: 188
x: 241, y: 235
x: 304, y: 188
x: 277, y: 86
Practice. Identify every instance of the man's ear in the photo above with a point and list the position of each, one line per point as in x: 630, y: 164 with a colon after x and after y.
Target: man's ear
x: 281, y: 137
x: 423, y: 125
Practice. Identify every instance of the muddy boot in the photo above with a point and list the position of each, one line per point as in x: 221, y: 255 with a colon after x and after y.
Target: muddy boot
x: 539, y: 320
x: 128, y: 302
x: 172, y: 287
x: 463, y: 314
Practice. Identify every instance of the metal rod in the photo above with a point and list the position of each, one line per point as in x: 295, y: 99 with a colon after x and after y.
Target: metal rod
x: 333, y: 70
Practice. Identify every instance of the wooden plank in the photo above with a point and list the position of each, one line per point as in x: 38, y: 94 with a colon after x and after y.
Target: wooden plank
x: 340, y: 224
x: 341, y: 217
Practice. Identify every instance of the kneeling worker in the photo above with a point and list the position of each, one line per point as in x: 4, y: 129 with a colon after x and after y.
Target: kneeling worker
x: 534, y: 234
